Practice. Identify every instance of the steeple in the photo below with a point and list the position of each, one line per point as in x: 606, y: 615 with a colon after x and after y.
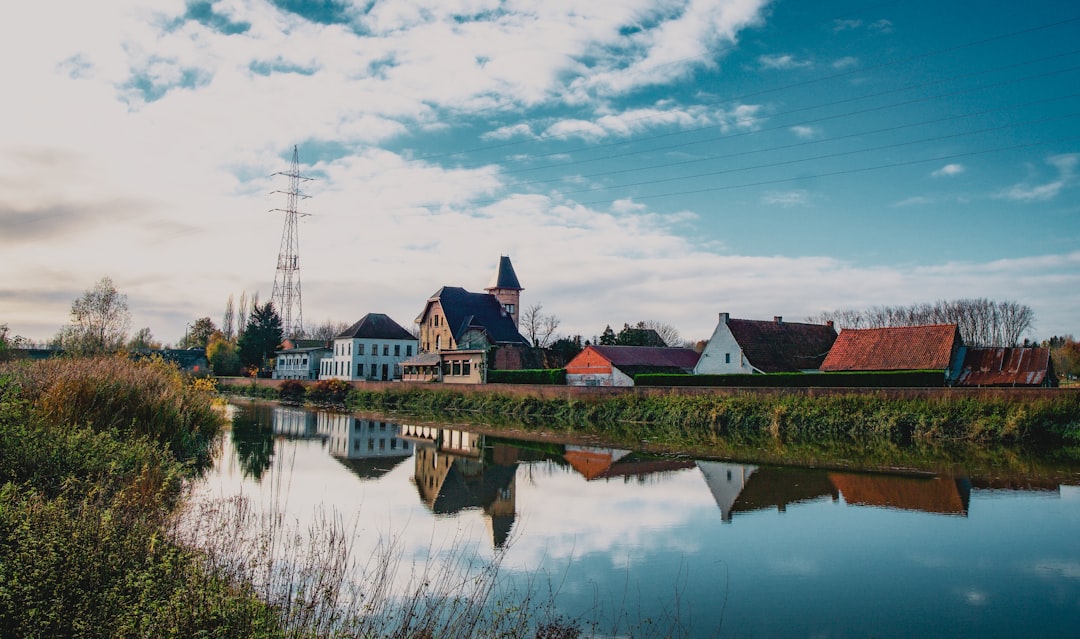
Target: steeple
x: 506, y: 288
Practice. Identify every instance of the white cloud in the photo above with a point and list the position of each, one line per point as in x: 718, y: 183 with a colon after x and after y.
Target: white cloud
x: 915, y: 200
x: 797, y: 197
x: 782, y: 61
x: 949, y: 170
x: 806, y: 132
x: 1028, y: 192
x: 847, y: 62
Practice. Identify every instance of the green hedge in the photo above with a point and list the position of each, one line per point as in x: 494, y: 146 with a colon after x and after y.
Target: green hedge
x: 889, y: 379
x: 549, y: 376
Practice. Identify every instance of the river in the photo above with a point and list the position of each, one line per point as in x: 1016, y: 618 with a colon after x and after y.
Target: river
x: 621, y: 541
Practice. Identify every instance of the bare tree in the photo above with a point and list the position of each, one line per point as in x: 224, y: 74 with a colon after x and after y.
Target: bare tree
x: 538, y: 327
x: 99, y: 320
x: 228, y: 321
x: 326, y: 331
x: 242, y: 315
x: 981, y: 322
x: 667, y: 332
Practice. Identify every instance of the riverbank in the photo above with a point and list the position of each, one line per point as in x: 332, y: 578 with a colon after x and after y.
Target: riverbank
x: 729, y: 416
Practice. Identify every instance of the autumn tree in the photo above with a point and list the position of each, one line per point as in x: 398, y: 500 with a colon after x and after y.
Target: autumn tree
x: 262, y: 336
x: 143, y: 340
x: 223, y: 355
x: 199, y: 333
x: 99, y: 321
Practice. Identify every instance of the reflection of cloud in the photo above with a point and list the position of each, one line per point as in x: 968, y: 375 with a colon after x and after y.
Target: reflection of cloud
x: 794, y: 566
x: 1057, y: 568
x: 974, y: 597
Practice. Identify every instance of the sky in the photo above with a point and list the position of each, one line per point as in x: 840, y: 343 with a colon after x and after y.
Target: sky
x: 660, y: 160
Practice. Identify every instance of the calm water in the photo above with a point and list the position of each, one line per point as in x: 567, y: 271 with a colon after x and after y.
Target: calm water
x: 737, y: 549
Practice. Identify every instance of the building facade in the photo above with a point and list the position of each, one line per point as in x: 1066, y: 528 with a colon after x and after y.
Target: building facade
x: 371, y: 349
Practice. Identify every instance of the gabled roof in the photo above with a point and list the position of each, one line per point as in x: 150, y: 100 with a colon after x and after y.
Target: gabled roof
x: 1007, y: 367
x: 465, y: 311
x: 375, y: 326
x: 782, y: 347
x: 894, y: 349
x: 505, y: 276
x: 639, y: 357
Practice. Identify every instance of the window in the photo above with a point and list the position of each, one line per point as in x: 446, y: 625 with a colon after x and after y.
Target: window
x: 386, y: 350
x: 408, y: 350
x: 385, y: 372
x: 359, y: 349
x: 456, y: 368
x: 359, y: 370
x: 509, y: 309
x: 438, y: 342
x: 374, y: 349
x: 727, y: 358
x: 465, y: 366
x: 397, y: 350
x: 350, y: 348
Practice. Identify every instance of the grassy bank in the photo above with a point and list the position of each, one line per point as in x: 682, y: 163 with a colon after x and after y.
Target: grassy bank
x: 93, y: 454
x: 747, y: 417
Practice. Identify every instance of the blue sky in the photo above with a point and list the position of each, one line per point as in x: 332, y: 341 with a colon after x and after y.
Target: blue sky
x: 638, y: 160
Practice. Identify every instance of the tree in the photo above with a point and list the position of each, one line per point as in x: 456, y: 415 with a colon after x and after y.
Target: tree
x: 223, y: 355
x: 1065, y: 351
x: 982, y: 322
x: 638, y: 335
x: 262, y: 336
x: 539, y: 328
x: 143, y: 340
x: 199, y: 333
x: 228, y: 320
x: 668, y: 333
x: 326, y: 331
x: 607, y: 338
x: 99, y: 321
x: 565, y: 349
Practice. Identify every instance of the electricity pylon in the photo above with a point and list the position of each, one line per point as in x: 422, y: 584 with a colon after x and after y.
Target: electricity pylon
x: 286, y: 294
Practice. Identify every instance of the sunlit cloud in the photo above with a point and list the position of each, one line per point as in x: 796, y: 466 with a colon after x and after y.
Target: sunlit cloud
x: 949, y: 170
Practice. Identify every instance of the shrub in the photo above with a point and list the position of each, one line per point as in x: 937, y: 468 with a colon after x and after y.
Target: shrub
x: 291, y: 390
x: 328, y: 391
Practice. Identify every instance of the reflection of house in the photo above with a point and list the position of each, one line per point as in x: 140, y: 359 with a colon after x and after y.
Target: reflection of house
x: 726, y: 482
x: 293, y: 422
x: 463, y: 328
x: 372, y: 348
x: 1007, y: 367
x: 740, y: 346
x: 781, y: 486
x: 369, y: 448
x: 942, y: 495
x: 452, y: 475
x: 901, y: 348
x: 609, y: 463
x: 617, y: 365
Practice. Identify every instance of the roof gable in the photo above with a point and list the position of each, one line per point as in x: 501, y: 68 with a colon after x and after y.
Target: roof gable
x: 465, y: 311
x: 779, y: 347
x: 624, y: 357
x: 893, y: 349
x: 375, y: 326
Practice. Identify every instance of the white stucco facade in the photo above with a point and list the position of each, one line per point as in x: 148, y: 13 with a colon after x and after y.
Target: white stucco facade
x: 723, y: 355
x: 355, y: 359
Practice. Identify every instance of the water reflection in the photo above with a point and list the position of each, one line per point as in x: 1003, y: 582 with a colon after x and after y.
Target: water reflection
x: 977, y: 553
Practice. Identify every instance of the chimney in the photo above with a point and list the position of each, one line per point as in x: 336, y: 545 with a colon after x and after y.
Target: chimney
x: 830, y: 324
x: 724, y: 318
x: 778, y: 319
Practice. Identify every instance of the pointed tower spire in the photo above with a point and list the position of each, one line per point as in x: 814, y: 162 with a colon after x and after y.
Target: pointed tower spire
x: 506, y: 288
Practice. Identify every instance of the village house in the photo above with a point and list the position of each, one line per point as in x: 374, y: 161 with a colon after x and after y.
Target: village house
x: 617, y: 365
x: 460, y: 331
x: 1020, y: 366
x: 936, y: 347
x: 302, y: 361
x: 740, y: 346
x: 371, y: 349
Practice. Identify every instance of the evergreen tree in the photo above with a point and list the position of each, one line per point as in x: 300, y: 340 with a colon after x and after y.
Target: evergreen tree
x: 262, y: 336
x: 608, y: 338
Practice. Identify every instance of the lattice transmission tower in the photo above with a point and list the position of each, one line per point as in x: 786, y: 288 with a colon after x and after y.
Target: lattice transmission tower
x: 286, y: 294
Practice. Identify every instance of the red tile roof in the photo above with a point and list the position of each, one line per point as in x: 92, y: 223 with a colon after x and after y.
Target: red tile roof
x: 1006, y: 367
x: 893, y: 349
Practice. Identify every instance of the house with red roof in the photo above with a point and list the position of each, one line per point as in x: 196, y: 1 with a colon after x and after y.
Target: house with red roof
x: 936, y: 347
x: 617, y: 365
x: 740, y: 346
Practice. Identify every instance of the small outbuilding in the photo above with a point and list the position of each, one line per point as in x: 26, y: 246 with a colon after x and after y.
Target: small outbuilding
x: 1020, y: 366
x: 935, y: 347
x: 617, y: 365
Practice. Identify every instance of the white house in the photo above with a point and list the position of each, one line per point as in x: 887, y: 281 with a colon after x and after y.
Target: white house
x: 739, y: 346
x: 370, y: 349
x: 299, y: 363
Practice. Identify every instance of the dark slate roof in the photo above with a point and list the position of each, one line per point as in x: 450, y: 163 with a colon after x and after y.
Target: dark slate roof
x: 1007, y: 367
x: 375, y: 326
x: 893, y: 349
x: 465, y: 311
x: 505, y: 276
x: 782, y: 347
x: 642, y: 358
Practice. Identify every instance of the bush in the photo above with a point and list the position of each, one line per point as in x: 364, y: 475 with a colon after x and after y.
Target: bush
x: 291, y: 390
x: 548, y: 376
x: 328, y: 391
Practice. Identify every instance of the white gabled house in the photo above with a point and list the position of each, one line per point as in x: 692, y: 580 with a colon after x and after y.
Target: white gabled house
x: 740, y: 346
x: 371, y: 349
